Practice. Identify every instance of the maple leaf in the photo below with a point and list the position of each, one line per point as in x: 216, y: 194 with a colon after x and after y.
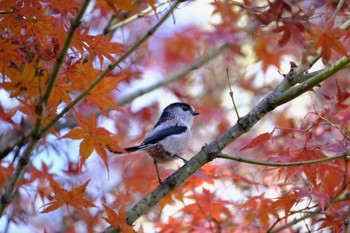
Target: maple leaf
x: 25, y: 82
x: 173, y: 225
x: 310, y: 170
x: 73, y: 197
x: 292, y: 31
x: 207, y: 204
x: 287, y: 201
x: 99, y: 97
x: 151, y: 3
x: 266, y: 51
x: 7, y: 116
x: 327, y: 38
x: 275, y: 11
x: 4, y: 176
x: 117, y: 219
x: 63, y: 7
x: 257, y: 141
x: 103, y: 47
x: 258, y: 207
x: 82, y: 75
x: 35, y: 20
x: 60, y: 93
x: 342, y: 95
x: 94, y: 138
x: 9, y: 52
x: 126, y: 5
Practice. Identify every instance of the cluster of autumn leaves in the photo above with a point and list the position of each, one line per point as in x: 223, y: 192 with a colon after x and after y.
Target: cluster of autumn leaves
x: 33, y: 34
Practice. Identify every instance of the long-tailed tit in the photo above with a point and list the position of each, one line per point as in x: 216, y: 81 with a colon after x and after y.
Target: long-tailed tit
x: 170, y: 136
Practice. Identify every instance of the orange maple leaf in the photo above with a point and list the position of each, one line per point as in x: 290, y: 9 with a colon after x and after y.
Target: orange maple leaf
x: 73, y: 197
x: 103, y: 47
x: 7, y: 115
x: 25, y: 82
x: 82, y: 75
x: 9, y: 52
x: 126, y: 5
x: 117, y: 219
x: 94, y: 138
x: 99, y: 95
x: 266, y: 52
x: 327, y: 38
x: 207, y: 204
x: 60, y: 93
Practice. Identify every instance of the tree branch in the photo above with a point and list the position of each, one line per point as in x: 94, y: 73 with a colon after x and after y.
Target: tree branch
x: 176, y: 74
x: 295, y: 221
x: 344, y: 155
x: 210, y: 151
x: 34, y: 134
x: 114, y: 26
x: 111, y: 67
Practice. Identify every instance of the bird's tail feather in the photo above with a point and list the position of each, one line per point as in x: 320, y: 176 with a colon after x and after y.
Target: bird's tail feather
x: 128, y: 149
x: 132, y: 149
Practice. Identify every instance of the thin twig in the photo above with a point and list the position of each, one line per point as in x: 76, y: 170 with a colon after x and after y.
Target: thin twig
x: 339, y: 6
x: 334, y: 126
x: 110, y: 68
x: 344, y: 155
x: 143, y: 13
x: 295, y: 221
x: 212, y: 150
x: 231, y: 94
x: 175, y: 75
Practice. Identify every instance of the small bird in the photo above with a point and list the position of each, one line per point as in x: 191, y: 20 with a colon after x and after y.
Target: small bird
x: 170, y: 136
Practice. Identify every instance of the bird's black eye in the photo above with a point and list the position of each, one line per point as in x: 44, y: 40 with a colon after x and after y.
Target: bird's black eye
x: 185, y: 108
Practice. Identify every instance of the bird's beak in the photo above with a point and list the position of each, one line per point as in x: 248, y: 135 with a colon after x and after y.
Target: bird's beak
x: 195, y: 113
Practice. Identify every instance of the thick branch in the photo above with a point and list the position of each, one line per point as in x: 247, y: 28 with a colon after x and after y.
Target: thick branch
x: 209, y: 152
x: 38, y: 131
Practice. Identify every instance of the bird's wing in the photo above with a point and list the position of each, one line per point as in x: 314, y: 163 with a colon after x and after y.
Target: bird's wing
x: 157, y: 135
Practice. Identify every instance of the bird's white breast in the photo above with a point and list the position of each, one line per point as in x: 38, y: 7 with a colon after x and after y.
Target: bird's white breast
x: 177, y: 143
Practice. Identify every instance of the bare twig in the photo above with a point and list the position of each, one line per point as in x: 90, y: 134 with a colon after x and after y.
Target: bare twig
x: 212, y: 150
x: 146, y: 12
x: 110, y: 68
x: 344, y: 155
x: 334, y: 126
x: 231, y: 93
x: 176, y: 75
x: 339, y: 6
x: 295, y: 221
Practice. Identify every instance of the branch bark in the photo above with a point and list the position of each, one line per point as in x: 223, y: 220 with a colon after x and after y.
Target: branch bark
x: 211, y: 151
x: 34, y: 135
x: 111, y: 67
x: 38, y: 130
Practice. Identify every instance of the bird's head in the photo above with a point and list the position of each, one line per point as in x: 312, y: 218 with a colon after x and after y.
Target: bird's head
x: 179, y: 111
